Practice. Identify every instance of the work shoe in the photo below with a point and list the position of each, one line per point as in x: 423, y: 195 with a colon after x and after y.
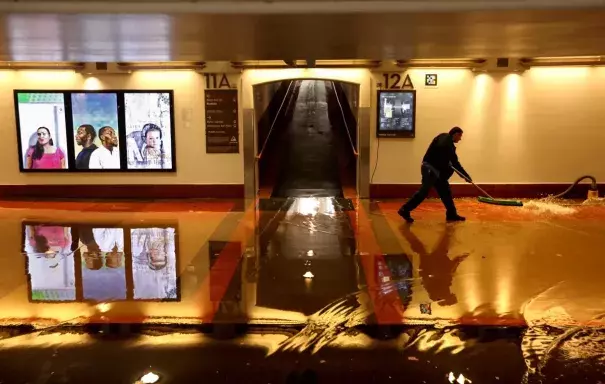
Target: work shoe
x: 405, y: 215
x: 455, y: 218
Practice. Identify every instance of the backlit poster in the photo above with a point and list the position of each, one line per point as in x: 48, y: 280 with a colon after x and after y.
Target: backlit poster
x: 95, y: 130
x: 41, y: 130
x: 396, y: 114
x: 50, y: 263
x: 154, y: 263
x: 103, y: 263
x: 149, y: 138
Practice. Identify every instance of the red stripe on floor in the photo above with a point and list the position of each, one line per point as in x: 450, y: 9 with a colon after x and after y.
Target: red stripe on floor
x: 386, y: 302
x: 217, y: 282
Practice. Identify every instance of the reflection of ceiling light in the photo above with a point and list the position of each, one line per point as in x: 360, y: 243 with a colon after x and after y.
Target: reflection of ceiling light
x: 103, y: 307
x: 308, y: 275
x: 310, y: 253
x: 461, y: 379
x: 149, y: 378
x: 311, y: 206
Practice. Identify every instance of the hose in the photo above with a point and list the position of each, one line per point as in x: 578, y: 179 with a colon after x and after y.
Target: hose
x: 593, y: 186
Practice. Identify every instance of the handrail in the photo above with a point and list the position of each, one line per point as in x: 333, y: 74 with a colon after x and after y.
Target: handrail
x: 260, y: 154
x: 344, y: 119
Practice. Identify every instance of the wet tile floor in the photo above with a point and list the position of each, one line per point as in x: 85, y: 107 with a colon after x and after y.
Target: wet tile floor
x: 302, y: 290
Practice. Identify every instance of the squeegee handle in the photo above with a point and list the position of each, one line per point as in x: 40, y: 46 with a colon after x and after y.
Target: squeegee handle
x: 470, y: 181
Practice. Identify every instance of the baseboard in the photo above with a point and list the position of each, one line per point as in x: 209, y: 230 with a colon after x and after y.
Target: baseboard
x: 139, y: 191
x: 505, y: 191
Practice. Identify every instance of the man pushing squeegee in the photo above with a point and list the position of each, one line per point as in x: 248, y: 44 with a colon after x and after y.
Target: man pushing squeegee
x: 438, y: 165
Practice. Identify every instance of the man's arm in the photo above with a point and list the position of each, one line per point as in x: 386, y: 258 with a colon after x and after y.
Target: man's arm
x: 456, y: 164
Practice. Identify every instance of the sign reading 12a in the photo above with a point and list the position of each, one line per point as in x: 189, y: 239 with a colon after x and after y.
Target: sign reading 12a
x: 393, y: 81
x: 216, y: 80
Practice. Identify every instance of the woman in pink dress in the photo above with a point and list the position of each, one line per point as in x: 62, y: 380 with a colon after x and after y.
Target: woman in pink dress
x: 44, y: 155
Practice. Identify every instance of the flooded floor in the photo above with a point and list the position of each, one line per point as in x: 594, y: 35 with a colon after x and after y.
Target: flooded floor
x: 301, y: 290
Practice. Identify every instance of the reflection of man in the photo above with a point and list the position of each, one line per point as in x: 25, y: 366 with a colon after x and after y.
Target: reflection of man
x: 85, y: 137
x: 107, y: 156
x: 437, y: 269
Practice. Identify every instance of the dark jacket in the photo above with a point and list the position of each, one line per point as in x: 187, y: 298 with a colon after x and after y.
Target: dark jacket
x: 442, y: 155
x: 83, y: 158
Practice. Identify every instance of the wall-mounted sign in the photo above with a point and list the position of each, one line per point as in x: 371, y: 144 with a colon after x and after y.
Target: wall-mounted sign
x: 430, y: 79
x: 222, y: 133
x: 396, y: 81
x: 217, y: 81
x: 396, y: 113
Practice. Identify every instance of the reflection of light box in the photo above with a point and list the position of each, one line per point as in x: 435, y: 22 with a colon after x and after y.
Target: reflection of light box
x: 103, y: 263
x: 154, y: 261
x: 50, y: 263
x: 396, y: 115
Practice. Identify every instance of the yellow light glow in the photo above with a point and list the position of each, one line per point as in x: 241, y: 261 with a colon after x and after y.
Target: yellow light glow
x: 103, y: 307
x: 308, y: 275
x: 167, y: 78
x: 557, y: 74
x: 49, y: 78
x: 92, y: 84
x: 352, y: 75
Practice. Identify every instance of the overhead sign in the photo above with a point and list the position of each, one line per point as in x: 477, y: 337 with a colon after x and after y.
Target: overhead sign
x: 222, y: 131
x: 396, y: 81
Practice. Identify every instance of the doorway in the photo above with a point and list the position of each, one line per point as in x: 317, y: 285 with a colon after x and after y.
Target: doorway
x: 306, y: 138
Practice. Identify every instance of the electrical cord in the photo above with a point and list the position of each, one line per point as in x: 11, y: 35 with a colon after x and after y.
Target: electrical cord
x: 376, y: 162
x: 593, y: 186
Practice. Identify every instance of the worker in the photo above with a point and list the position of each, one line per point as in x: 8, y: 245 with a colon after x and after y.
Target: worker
x: 437, y: 167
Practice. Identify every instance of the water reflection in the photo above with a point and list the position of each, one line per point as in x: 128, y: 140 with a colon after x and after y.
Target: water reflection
x: 437, y: 268
x: 100, y: 263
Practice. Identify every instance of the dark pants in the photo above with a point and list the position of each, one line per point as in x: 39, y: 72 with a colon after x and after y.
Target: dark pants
x: 432, y: 178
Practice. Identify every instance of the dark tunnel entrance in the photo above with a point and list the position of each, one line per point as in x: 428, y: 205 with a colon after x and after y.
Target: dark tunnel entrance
x: 306, y: 138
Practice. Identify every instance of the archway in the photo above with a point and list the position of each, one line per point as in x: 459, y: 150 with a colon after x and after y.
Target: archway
x: 306, y: 138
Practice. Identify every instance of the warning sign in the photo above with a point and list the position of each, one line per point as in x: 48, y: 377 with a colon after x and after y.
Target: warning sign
x: 222, y: 131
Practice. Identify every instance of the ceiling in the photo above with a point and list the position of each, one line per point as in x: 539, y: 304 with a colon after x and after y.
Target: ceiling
x: 224, y: 37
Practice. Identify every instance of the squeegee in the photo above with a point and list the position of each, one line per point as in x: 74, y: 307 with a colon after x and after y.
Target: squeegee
x: 489, y: 199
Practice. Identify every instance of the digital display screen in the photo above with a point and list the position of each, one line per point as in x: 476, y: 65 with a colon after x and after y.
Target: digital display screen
x: 148, y: 130
x: 95, y: 130
x: 41, y: 129
x: 396, y: 114
x: 154, y: 263
x: 103, y: 263
x: 50, y: 263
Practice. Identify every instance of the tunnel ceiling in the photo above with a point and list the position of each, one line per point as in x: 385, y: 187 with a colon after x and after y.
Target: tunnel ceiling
x: 190, y: 37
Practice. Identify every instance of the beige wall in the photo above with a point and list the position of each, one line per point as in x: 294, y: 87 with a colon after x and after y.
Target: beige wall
x: 194, y: 166
x: 545, y: 125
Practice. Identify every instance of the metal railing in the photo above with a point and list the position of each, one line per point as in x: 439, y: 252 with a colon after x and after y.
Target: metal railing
x: 260, y: 154
x: 344, y: 119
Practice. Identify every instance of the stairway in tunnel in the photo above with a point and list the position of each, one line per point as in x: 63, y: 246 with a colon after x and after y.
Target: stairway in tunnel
x: 309, y: 166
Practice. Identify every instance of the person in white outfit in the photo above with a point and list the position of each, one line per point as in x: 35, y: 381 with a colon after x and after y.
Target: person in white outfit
x: 107, y: 156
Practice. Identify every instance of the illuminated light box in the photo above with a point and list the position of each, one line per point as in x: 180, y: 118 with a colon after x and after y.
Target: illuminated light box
x: 154, y: 264
x: 95, y: 131
x: 149, y: 130
x: 50, y: 263
x: 41, y: 131
x: 396, y: 114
